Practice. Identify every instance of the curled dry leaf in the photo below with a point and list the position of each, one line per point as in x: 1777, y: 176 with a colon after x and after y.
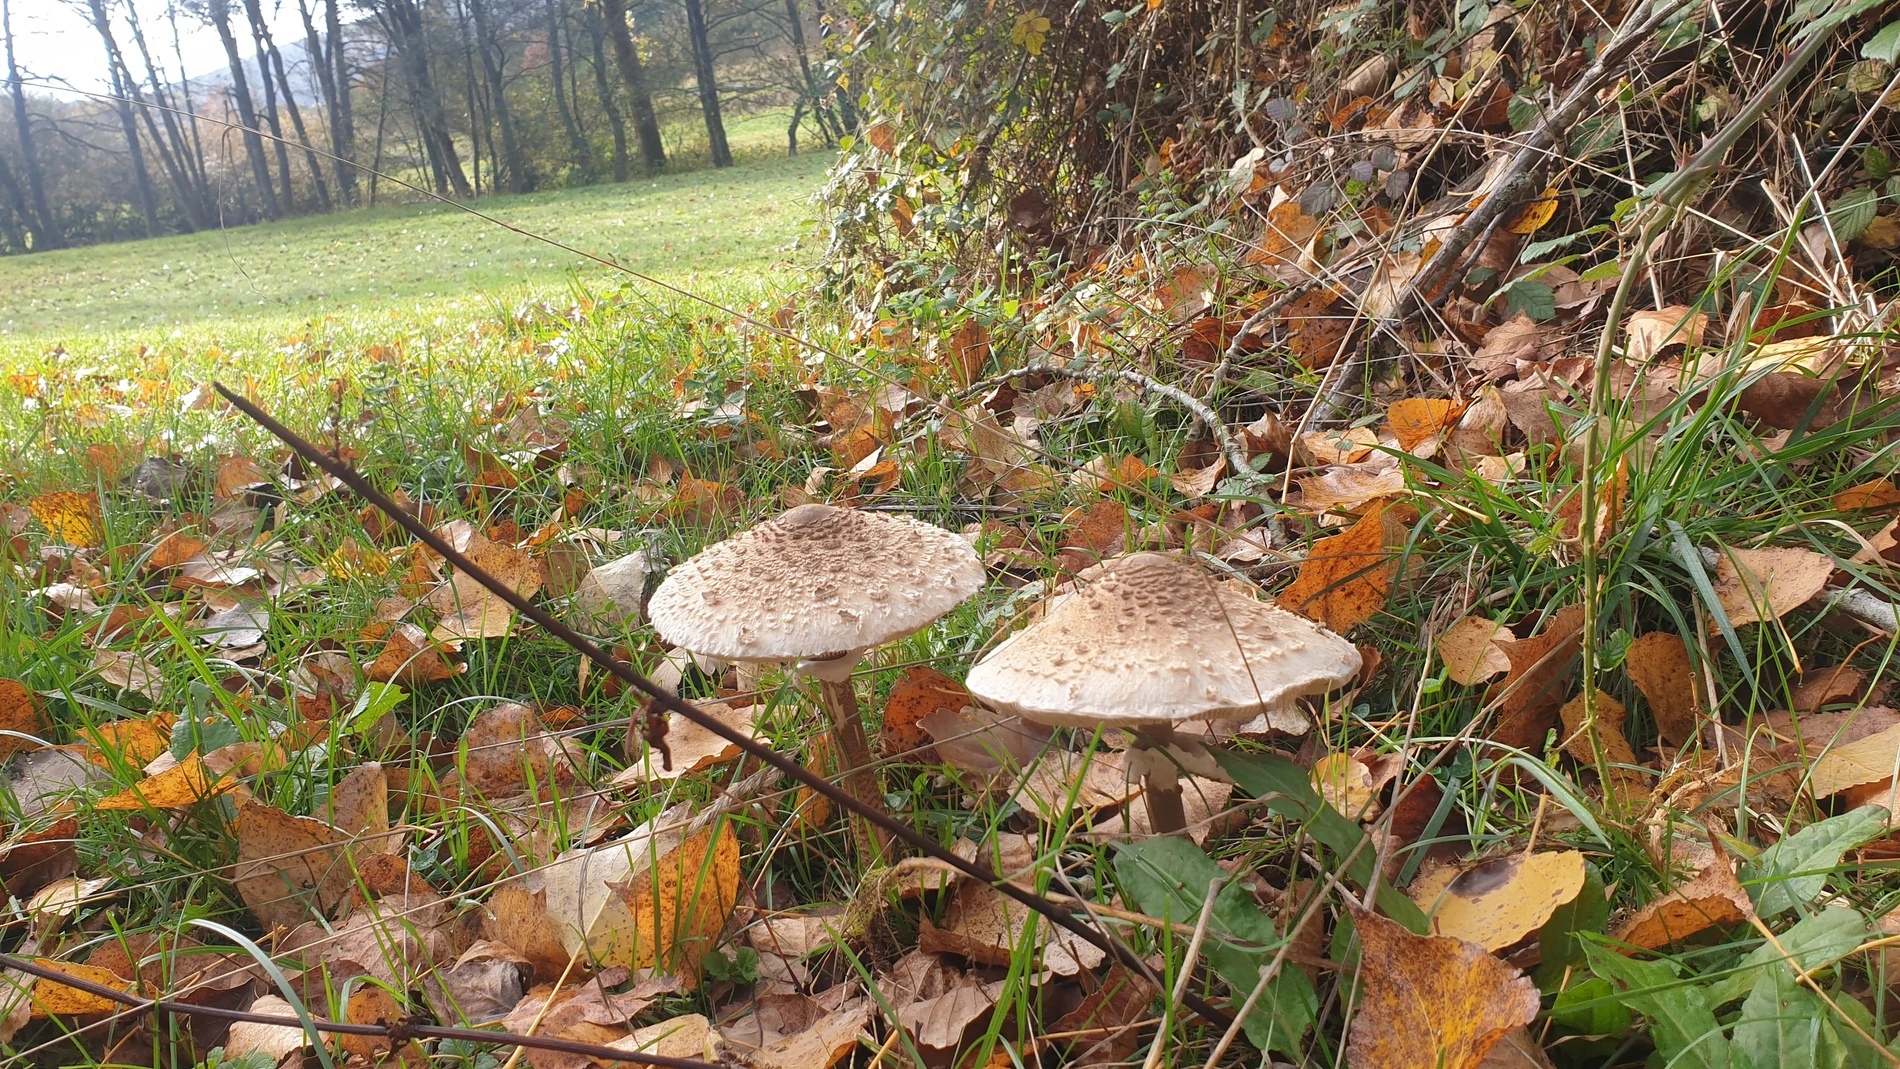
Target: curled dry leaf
x: 1628, y: 784
x: 1712, y: 900
x: 1108, y: 1020
x: 1753, y: 585
x: 614, y: 591
x: 1431, y: 1000
x: 1347, y: 489
x: 128, y: 671
x: 1878, y: 494
x: 1649, y: 332
x: 185, y: 783
x: 1327, y: 448
x: 797, y: 1032
x: 54, y: 999
x: 1826, y: 685
x: 978, y: 741
x: 1471, y: 651
x: 1346, y: 578
x: 1658, y: 663
x: 922, y: 692
x: 410, y: 658
x: 1495, y: 903
x: 693, y: 748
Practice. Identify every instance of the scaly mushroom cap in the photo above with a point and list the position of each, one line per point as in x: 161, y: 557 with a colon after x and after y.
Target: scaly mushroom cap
x: 815, y: 583
x: 1149, y: 639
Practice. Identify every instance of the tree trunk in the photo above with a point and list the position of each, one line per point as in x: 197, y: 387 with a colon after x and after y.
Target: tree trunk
x: 412, y: 46
x: 267, y: 53
x: 194, y: 194
x: 198, y: 168
x: 646, y: 125
x: 795, y: 26
x: 606, y: 90
x: 16, y: 217
x: 337, y: 92
x: 147, y: 199
x: 219, y: 12
x: 520, y: 173
x: 254, y: 13
x: 45, y: 225
x: 708, y: 84
x: 577, y: 145
x: 478, y: 124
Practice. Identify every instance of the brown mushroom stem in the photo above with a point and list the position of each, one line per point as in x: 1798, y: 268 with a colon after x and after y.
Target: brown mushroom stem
x: 847, y: 725
x: 1161, y: 786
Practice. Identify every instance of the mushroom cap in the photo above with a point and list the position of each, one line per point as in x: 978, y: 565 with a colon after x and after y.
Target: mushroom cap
x: 1149, y: 639
x: 814, y: 583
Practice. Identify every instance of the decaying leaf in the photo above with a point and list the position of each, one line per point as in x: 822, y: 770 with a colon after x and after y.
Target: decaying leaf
x: 1846, y: 765
x: 1649, y: 332
x: 1431, y: 1000
x: 1878, y: 494
x: 410, y: 658
x: 54, y: 999
x: 1346, y: 578
x: 1061, y: 782
x: 273, y: 1041
x: 985, y: 926
x: 1471, y: 652
x: 1658, y: 663
x: 922, y: 692
x: 69, y: 516
x: 797, y: 1032
x: 128, y: 671
x: 469, y: 609
x: 19, y: 716
x: 1826, y: 685
x: 506, y: 750
x: 1346, y: 783
x: 1529, y: 697
x: 1712, y: 900
x: 1616, y: 751
x: 1495, y: 903
x: 1418, y: 422
x: 289, y: 867
x: 1348, y: 489
x: 980, y: 742
x: 1753, y: 585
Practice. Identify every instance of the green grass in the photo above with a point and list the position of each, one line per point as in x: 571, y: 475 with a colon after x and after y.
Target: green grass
x: 410, y: 262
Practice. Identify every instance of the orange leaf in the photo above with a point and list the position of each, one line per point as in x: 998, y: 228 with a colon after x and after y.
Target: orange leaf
x: 1877, y: 494
x: 1346, y: 578
x: 52, y: 998
x: 19, y: 712
x: 922, y: 691
x: 1658, y: 663
x: 1712, y: 900
x: 1431, y: 1000
x: 185, y: 783
x: 136, y: 742
x: 1417, y: 420
x: 1529, y: 697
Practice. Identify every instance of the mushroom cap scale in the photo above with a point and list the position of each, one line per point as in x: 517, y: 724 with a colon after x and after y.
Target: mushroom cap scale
x: 815, y: 583
x: 1149, y: 639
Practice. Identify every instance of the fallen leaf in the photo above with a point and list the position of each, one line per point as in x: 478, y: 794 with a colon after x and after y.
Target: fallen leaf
x: 39, y: 857
x: 1470, y: 650
x: 1826, y: 685
x: 359, y: 807
x: 922, y: 692
x: 289, y: 867
x: 1347, y: 489
x: 1534, y: 214
x: 1417, y: 421
x: 1107, y: 1023
x: 1203, y: 807
x: 370, y: 1004
x: 410, y: 658
x: 128, y: 671
x: 1057, y: 781
x: 1495, y: 903
x: 693, y: 748
x: 274, y: 1041
x: 469, y: 609
x: 19, y: 715
x: 1346, y: 578
x: 506, y: 750
x: 70, y: 517
x: 236, y: 475
x: 1846, y: 765
x: 1650, y: 332
x: 1629, y: 784
x: 1712, y: 900
x: 983, y: 925
x: 1658, y: 663
x: 615, y: 590
x: 54, y: 999
x: 184, y: 783
x: 976, y: 740
x: 796, y: 934
x: 134, y: 742
x: 1345, y: 782
x: 689, y: 1036
x: 1879, y: 494
x: 1753, y: 585
x: 1430, y: 1000
x: 796, y: 1032
x: 1516, y: 341
x: 1529, y: 697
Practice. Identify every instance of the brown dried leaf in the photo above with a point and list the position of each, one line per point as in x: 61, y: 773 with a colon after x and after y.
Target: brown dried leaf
x: 1470, y: 650
x: 19, y: 712
x: 289, y: 867
x: 1648, y: 333
x: 922, y: 692
x: 797, y: 1032
x: 1348, y: 489
x: 1826, y: 685
x: 984, y: 926
x: 410, y: 658
x: 1529, y: 697
x: 1627, y: 783
x: 274, y: 1041
x: 1753, y: 585
x: 1418, y: 421
x: 1847, y: 765
x: 1658, y: 663
x: 1431, y: 1000
x: 1495, y: 903
x: 693, y: 748
x: 1346, y: 578
x: 1878, y: 494
x: 1712, y: 900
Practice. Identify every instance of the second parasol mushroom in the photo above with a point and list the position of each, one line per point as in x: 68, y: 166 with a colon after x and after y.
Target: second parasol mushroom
x: 1148, y: 641
x: 818, y: 586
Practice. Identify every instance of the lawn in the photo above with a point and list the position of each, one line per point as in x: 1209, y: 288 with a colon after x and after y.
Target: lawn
x: 413, y: 261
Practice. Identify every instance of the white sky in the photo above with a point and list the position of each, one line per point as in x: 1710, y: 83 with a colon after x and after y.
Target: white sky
x: 54, y: 39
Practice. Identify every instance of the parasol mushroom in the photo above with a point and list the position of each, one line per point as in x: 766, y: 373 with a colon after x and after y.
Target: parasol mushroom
x: 1148, y: 641
x: 818, y: 586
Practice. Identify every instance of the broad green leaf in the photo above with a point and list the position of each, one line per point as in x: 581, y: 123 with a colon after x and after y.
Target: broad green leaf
x: 373, y: 704
x: 1168, y: 877
x: 1558, y: 945
x: 1817, y: 941
x: 1289, y: 794
x: 1883, y: 46
x: 1592, y: 1008
x: 214, y: 732
x: 1681, y: 1019
x: 1791, y: 872
x: 1534, y: 299
x: 1852, y: 212
x: 1784, y: 1026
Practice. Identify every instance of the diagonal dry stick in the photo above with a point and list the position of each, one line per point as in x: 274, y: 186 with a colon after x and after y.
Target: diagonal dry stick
x: 672, y: 702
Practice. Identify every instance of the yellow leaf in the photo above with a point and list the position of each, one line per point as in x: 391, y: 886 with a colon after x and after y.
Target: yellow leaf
x: 52, y: 998
x: 1534, y: 215
x: 1498, y: 902
x: 1853, y: 764
x: 184, y: 783
x: 1471, y: 652
x: 1430, y: 1000
x: 69, y: 516
x: 136, y: 742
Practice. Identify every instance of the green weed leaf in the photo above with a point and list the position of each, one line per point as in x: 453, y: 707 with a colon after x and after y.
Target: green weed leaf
x: 1885, y: 45
x: 1534, y: 299
x: 1681, y: 1018
x: 1558, y: 945
x: 1817, y: 941
x: 1791, y: 872
x: 1591, y: 1008
x: 1852, y: 212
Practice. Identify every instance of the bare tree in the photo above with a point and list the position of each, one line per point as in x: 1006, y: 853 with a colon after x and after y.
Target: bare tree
x: 268, y: 53
x: 576, y: 142
x: 218, y: 13
x: 174, y: 153
x: 46, y: 231
x: 605, y: 89
x: 148, y: 200
x: 403, y: 20
x: 646, y: 124
x: 708, y: 83
x: 520, y: 173
x: 337, y: 94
